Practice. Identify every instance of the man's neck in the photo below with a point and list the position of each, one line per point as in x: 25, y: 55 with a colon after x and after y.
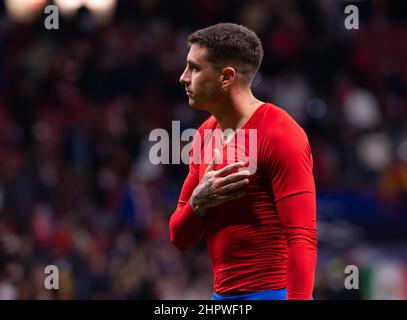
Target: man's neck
x: 234, y: 112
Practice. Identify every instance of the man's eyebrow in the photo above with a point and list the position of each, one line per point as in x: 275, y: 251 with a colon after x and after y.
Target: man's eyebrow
x: 192, y: 63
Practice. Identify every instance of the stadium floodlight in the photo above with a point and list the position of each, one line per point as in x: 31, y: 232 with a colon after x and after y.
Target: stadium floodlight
x: 24, y: 10
x: 68, y: 7
x: 102, y: 9
x: 100, y: 5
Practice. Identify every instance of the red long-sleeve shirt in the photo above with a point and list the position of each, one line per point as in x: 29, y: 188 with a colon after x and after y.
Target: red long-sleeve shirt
x: 267, y: 239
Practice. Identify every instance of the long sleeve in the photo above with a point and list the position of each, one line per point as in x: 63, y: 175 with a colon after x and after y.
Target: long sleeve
x: 298, y: 217
x: 186, y: 226
x: 290, y: 171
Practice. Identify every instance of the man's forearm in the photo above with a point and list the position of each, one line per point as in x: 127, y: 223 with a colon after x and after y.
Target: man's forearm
x: 185, y: 227
x: 302, y: 257
x: 298, y: 217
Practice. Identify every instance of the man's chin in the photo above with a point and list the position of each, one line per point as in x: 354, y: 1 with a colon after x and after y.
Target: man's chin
x: 195, y: 104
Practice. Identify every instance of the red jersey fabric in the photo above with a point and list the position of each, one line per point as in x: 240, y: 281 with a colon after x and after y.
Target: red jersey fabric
x: 265, y: 240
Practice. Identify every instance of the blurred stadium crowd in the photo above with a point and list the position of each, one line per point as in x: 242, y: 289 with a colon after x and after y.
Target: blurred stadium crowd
x: 77, y: 104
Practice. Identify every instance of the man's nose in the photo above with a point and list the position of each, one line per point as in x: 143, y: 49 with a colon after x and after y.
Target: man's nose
x: 184, y: 79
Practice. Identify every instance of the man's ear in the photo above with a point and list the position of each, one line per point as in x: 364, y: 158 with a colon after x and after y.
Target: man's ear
x: 228, y: 76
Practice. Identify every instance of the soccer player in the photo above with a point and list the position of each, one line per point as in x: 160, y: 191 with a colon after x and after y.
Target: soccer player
x: 259, y: 225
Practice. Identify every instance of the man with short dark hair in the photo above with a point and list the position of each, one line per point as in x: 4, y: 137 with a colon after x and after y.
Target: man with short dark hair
x: 259, y: 224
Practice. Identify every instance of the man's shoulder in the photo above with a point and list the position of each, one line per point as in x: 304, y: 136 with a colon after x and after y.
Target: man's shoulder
x: 278, y: 124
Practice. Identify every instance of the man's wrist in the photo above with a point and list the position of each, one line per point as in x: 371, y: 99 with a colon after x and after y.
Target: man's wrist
x: 196, y: 208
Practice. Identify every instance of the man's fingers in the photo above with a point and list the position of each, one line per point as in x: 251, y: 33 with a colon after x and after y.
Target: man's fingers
x: 229, y: 168
x: 215, y: 158
x: 238, y: 195
x: 231, y: 196
x: 233, y: 186
x: 237, y: 176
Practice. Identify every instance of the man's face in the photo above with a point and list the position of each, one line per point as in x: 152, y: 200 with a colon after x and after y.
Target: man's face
x: 201, y: 79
